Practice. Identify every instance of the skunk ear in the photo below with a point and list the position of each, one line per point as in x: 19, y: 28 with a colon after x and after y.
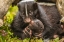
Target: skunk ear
x: 35, y: 6
x: 18, y: 6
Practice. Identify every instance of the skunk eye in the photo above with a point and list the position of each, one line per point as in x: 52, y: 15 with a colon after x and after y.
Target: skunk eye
x: 22, y: 12
x: 30, y: 13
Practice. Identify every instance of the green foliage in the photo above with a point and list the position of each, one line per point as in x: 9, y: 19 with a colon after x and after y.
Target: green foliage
x: 10, y: 14
x: 5, y: 32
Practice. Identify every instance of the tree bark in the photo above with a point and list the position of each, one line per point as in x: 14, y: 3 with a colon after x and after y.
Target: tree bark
x: 60, y: 6
x: 4, y: 6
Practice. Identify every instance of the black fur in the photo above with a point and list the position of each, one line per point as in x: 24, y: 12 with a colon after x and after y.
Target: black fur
x: 48, y: 15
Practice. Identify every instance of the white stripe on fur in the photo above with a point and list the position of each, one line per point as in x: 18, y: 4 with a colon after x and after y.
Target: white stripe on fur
x: 26, y: 0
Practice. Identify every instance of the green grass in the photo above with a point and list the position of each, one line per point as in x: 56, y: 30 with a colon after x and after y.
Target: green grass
x: 5, y: 32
